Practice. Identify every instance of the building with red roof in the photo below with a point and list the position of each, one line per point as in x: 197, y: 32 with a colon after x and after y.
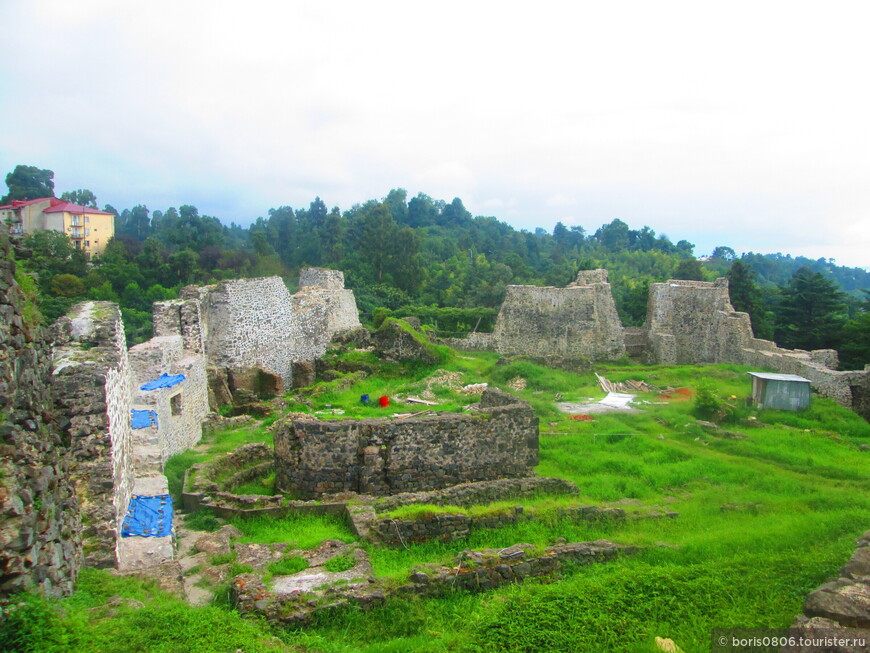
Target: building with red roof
x: 89, y: 229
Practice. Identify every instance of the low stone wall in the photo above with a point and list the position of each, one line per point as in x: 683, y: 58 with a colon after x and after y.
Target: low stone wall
x: 91, y: 383
x: 483, y: 492
x: 40, y: 522
x: 383, y: 456
x: 840, y: 608
x: 445, y: 527
x: 473, y: 571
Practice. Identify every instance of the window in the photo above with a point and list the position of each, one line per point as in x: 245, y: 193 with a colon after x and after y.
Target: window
x: 87, y: 243
x: 87, y: 219
x: 175, y: 404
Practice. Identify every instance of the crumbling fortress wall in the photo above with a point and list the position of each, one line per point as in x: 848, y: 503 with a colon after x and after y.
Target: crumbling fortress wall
x: 694, y: 322
x: 257, y: 323
x: 382, y: 456
x: 98, y: 386
x: 577, y: 322
x: 92, y: 385
x: 40, y: 523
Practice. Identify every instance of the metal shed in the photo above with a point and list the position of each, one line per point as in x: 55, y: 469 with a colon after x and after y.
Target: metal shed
x: 780, y: 391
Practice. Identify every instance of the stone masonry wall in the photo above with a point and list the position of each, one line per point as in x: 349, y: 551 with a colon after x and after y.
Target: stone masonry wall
x: 694, y: 322
x: 91, y: 382
x: 40, y: 522
x: 257, y: 323
x: 382, y: 456
x: 181, y: 408
x: 579, y: 321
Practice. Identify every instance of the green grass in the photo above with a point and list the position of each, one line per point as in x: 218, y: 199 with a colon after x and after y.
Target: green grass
x: 288, y: 566
x: 302, y: 531
x: 339, y: 564
x: 264, y: 485
x: 84, y: 623
x: 762, y: 522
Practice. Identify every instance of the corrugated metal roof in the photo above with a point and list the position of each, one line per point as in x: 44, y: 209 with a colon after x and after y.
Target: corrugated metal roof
x: 779, y: 377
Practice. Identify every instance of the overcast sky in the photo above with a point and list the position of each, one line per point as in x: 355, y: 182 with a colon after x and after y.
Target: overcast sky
x: 741, y: 124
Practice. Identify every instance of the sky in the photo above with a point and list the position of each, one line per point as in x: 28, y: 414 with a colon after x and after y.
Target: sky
x: 742, y: 123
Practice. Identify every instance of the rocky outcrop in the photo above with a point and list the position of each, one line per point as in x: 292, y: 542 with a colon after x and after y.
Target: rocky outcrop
x: 839, y: 609
x: 399, y: 340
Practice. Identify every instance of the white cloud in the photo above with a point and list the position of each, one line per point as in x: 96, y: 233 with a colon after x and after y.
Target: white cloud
x: 737, y: 123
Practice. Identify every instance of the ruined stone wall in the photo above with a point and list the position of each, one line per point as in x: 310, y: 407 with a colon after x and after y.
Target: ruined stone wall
x: 181, y: 408
x: 91, y: 383
x: 248, y: 323
x: 579, y: 321
x: 693, y: 322
x: 382, y: 456
x: 40, y: 523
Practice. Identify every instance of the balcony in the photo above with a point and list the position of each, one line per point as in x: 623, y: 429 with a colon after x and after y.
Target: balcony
x: 76, y: 221
x: 77, y: 233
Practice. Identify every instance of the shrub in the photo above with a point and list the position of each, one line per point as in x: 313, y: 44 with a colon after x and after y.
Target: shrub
x: 339, y: 564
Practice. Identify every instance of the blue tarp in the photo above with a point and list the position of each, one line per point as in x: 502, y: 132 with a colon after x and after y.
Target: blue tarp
x: 148, y: 517
x: 163, y: 381
x: 143, y: 419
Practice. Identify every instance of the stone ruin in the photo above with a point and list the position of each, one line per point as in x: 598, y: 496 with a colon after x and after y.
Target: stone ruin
x: 82, y: 432
x: 250, y: 328
x: 687, y: 322
x: 383, y: 456
x: 577, y: 322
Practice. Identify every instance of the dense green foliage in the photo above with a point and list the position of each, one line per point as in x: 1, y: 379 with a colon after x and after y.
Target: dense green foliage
x: 427, y: 258
x: 28, y: 183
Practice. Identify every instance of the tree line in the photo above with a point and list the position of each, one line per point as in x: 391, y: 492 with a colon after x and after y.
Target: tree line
x: 433, y: 259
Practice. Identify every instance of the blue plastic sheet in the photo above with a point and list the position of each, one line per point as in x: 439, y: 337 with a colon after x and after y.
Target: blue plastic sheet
x: 163, y: 381
x: 143, y: 419
x: 148, y: 517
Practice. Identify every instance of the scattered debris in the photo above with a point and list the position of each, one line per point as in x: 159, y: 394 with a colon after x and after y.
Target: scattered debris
x: 417, y: 400
x: 517, y: 384
x: 667, y: 645
x: 474, y: 389
x: 625, y: 386
x: 582, y: 418
x: 417, y: 414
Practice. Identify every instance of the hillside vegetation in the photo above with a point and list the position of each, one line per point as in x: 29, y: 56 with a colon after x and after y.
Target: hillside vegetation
x: 769, y: 505
x: 433, y: 259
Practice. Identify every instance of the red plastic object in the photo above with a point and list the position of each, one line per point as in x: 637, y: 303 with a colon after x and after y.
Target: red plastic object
x: 384, y: 401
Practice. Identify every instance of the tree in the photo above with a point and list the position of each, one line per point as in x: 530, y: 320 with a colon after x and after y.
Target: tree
x: 28, y: 183
x: 82, y: 197
x: 613, y: 236
x: 812, y: 312
x: 725, y: 253
x: 689, y: 269
x: 855, y: 352
x: 745, y: 296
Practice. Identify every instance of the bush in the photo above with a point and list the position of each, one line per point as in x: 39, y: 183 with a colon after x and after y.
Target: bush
x: 29, y: 622
x: 707, y: 402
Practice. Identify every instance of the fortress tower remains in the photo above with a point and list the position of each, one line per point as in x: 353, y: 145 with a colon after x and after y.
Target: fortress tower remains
x: 576, y: 322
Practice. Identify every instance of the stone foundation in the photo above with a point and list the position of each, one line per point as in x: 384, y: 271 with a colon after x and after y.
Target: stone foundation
x: 383, y: 456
